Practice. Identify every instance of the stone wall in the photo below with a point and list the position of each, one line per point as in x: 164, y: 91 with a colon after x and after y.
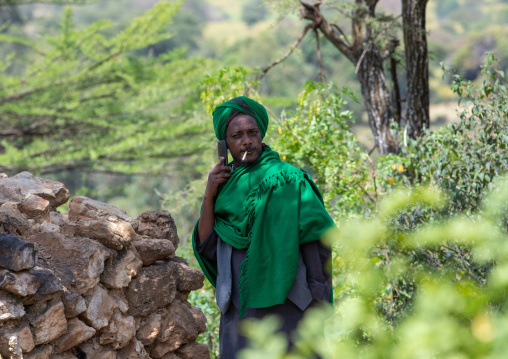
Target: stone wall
x: 92, y: 283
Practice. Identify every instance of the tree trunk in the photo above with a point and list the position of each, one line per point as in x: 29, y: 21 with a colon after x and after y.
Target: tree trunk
x: 377, y: 100
x: 365, y: 55
x: 417, y: 66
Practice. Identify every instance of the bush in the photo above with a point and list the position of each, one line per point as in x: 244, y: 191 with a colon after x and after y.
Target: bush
x: 413, y: 274
x: 417, y: 278
x: 450, y: 316
x: 317, y: 136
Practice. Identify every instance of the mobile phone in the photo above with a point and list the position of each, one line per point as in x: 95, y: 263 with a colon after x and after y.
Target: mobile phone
x: 222, y: 148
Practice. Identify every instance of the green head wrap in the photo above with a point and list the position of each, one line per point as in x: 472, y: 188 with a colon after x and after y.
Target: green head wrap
x: 225, y: 112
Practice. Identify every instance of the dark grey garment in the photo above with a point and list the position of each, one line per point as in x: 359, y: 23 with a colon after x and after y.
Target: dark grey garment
x: 312, y: 284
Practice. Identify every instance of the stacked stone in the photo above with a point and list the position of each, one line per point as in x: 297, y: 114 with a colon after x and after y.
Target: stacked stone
x: 92, y: 283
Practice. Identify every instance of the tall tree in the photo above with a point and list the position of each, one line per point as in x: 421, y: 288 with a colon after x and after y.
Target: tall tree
x: 417, y: 66
x: 87, y: 101
x: 363, y: 48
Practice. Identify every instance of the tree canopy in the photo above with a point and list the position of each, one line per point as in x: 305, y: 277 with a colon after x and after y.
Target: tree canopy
x: 88, y: 101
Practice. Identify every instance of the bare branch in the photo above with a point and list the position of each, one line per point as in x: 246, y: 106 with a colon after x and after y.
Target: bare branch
x: 386, y: 27
x: 337, y: 27
x: 320, y: 61
x: 100, y: 62
x: 361, y: 59
x: 332, y: 33
x: 161, y: 196
x: 286, y: 55
x: 27, y: 130
x: 22, y: 94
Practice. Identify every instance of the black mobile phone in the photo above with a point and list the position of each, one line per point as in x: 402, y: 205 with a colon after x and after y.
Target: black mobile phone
x: 222, y: 148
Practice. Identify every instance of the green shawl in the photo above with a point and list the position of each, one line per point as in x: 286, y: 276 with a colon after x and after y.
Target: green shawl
x: 269, y: 208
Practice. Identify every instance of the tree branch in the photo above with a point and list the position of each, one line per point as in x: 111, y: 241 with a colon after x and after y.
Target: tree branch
x: 286, y: 55
x: 27, y: 130
x: 331, y: 32
x: 320, y: 61
x: 25, y: 93
x: 397, y: 105
x: 358, y: 20
x: 100, y: 62
x: 337, y: 27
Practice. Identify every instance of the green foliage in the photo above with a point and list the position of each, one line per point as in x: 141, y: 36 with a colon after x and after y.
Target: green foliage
x: 85, y: 101
x: 317, y: 136
x: 462, y: 158
x: 227, y: 83
x: 450, y: 317
x: 425, y: 274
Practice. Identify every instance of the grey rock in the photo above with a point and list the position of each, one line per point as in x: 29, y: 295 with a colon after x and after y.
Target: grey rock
x: 77, y: 332
x: 19, y: 283
x: 16, y: 254
x: 151, y: 250
x: 67, y: 355
x: 56, y: 218
x: 114, y: 235
x: 74, y: 304
x: 153, y: 288
x: 119, y: 332
x: 118, y: 296
x: 16, y: 339
x: 180, y: 325
x: 120, y: 269
x: 17, y: 188
x: 157, y: 224
x: 79, y: 262
x: 170, y: 356
x: 50, y: 325
x: 134, y: 350
x: 100, y: 308
x: 40, y: 352
x: 188, y: 278
x: 193, y: 351
x: 11, y: 220
x: 10, y: 307
x: 35, y: 207
x: 49, y: 286
x: 149, y: 329
x: 86, y: 207
x: 94, y: 350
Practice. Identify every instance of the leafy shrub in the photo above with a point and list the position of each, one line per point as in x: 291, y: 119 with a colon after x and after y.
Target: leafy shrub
x: 424, y: 258
x: 317, y: 136
x: 464, y: 157
x: 450, y: 317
